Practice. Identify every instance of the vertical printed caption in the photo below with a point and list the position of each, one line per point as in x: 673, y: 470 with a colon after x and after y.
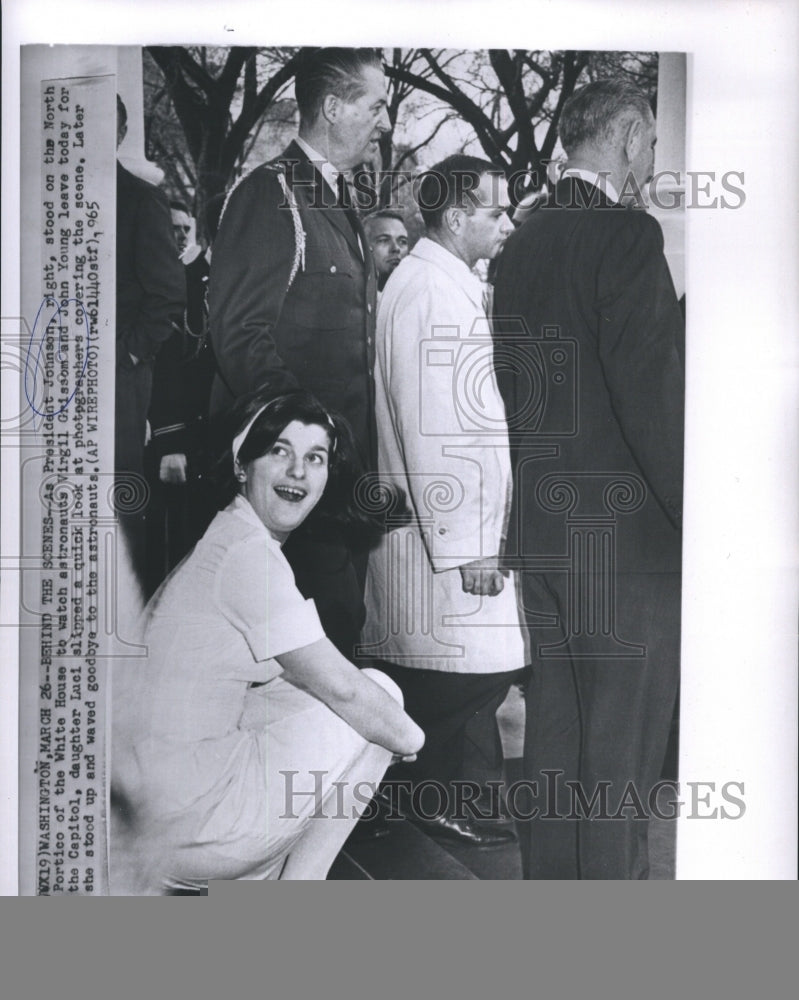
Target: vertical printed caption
x: 62, y: 387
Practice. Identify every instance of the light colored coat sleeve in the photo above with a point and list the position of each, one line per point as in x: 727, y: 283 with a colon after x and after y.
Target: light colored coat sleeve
x: 441, y: 419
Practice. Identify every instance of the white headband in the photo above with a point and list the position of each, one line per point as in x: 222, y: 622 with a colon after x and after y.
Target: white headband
x: 241, y: 437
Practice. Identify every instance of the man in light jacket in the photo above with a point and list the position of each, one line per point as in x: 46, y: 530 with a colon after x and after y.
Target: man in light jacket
x: 441, y: 613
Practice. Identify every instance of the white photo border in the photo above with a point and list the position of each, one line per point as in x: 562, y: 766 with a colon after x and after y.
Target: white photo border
x: 739, y: 715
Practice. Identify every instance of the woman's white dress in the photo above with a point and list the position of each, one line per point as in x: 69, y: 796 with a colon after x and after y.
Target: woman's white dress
x: 214, y: 768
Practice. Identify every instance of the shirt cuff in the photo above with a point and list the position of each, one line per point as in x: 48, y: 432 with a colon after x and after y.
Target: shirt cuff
x: 449, y: 551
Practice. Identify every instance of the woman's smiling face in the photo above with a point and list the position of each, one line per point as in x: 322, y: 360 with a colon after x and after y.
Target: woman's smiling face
x: 284, y: 485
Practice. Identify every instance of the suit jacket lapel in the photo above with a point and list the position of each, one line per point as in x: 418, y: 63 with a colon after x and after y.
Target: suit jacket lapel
x: 304, y: 171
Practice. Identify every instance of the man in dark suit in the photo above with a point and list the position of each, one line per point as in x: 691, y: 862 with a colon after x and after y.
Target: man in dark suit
x: 150, y: 298
x: 589, y: 339
x: 178, y: 459
x: 292, y: 292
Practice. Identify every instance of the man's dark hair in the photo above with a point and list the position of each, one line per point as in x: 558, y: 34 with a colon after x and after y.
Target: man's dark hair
x: 179, y: 206
x: 448, y: 185
x: 593, y: 113
x: 331, y: 71
x: 384, y: 213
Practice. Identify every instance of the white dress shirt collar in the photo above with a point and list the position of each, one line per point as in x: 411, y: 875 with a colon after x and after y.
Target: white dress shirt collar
x: 432, y: 252
x: 323, y: 165
x: 590, y: 177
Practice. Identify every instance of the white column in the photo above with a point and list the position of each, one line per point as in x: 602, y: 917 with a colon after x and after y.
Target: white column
x: 130, y: 83
x: 670, y: 149
x: 738, y: 718
x: 667, y: 190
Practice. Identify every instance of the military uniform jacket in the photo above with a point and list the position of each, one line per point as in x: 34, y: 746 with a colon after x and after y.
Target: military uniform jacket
x: 292, y: 295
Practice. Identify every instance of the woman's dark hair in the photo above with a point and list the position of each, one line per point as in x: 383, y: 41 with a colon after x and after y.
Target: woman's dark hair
x: 339, y: 503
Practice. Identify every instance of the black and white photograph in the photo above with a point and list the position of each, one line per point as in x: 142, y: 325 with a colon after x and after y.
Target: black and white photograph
x: 366, y: 526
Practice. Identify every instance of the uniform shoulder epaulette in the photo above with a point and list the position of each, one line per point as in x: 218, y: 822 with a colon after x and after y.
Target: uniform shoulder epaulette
x: 273, y: 166
x: 278, y: 168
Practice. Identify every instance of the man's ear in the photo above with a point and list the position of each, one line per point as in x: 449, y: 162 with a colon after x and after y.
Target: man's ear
x: 331, y: 107
x: 453, y: 219
x: 633, y: 137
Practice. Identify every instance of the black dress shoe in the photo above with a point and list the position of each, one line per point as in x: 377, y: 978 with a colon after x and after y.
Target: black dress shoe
x: 464, y: 831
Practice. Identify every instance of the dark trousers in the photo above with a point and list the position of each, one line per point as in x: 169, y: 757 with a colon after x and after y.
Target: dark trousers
x: 326, y: 570
x: 177, y: 518
x: 602, y: 724
x: 442, y: 704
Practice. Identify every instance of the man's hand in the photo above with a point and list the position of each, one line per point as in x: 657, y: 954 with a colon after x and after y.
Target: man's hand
x: 483, y: 577
x: 173, y: 470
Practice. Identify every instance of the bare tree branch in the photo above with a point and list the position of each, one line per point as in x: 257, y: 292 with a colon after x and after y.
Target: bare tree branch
x: 467, y: 109
x: 413, y: 150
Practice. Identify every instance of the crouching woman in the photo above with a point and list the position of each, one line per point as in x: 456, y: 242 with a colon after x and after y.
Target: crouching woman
x: 246, y: 745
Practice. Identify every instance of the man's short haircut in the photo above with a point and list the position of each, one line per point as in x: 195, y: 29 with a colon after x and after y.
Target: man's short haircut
x: 447, y: 185
x: 384, y: 213
x: 178, y: 206
x: 336, y: 71
x: 592, y: 114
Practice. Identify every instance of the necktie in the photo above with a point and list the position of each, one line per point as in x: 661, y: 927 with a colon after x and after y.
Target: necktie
x: 343, y: 192
x: 345, y: 202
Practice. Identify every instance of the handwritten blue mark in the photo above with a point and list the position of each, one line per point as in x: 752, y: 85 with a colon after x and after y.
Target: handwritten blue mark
x: 80, y: 316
